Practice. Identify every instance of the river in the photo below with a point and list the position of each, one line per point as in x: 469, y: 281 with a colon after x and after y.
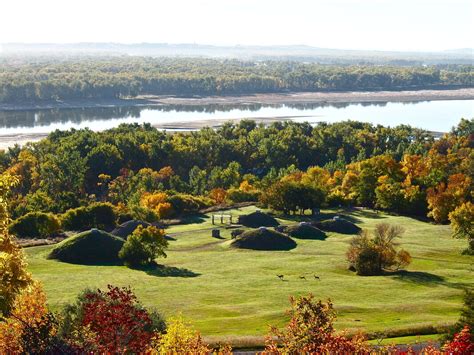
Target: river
x: 437, y: 116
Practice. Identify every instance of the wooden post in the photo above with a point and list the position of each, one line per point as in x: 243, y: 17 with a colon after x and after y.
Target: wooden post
x: 212, y: 219
x: 222, y: 219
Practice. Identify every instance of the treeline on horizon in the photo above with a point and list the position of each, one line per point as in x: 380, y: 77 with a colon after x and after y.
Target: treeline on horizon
x: 145, y: 173
x: 28, y: 79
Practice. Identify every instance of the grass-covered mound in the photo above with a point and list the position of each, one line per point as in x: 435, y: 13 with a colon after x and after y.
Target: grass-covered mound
x: 263, y: 239
x: 89, y: 247
x: 305, y: 230
x: 338, y: 225
x: 127, y: 228
x: 257, y: 219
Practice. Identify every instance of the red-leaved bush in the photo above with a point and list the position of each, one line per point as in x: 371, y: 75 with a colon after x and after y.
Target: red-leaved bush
x: 461, y: 343
x: 118, y: 323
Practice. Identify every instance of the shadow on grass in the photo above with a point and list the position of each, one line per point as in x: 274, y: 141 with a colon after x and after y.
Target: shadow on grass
x: 194, y: 219
x: 419, y: 277
x: 426, y: 279
x: 166, y: 271
x: 365, y: 213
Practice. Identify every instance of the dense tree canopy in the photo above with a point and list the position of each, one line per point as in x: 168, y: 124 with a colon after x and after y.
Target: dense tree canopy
x: 137, y: 171
x: 116, y: 77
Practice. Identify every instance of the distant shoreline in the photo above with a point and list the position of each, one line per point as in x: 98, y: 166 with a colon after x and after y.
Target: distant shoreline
x: 263, y: 99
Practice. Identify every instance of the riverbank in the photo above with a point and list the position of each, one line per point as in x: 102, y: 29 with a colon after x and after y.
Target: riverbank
x: 263, y: 99
x: 9, y: 140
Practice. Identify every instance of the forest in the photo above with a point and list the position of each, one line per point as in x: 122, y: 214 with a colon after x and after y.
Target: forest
x: 30, y: 79
x: 149, y: 174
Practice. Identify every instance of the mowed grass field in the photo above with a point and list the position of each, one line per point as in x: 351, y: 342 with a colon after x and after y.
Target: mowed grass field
x: 235, y: 293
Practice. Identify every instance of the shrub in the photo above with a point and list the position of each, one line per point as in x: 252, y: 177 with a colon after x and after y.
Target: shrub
x: 183, y: 203
x: 103, y: 215
x: 467, y: 316
x: 218, y: 195
x: 263, y: 239
x: 239, y: 195
x: 143, y: 213
x: 461, y: 343
x: 257, y: 219
x: 180, y: 338
x: 97, y: 215
x: 90, y: 247
x: 35, y: 225
x: 311, y: 331
x: 111, y: 321
x: 143, y: 246
x: 371, y: 254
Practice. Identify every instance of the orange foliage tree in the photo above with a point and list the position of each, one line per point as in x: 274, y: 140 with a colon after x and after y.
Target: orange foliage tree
x: 30, y: 327
x: 444, y: 198
x: 311, y: 330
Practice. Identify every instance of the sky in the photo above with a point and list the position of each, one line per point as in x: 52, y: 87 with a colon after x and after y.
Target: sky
x: 411, y: 25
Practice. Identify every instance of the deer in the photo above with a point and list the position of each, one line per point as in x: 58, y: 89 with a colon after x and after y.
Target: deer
x: 317, y: 277
x: 302, y: 277
x: 280, y: 277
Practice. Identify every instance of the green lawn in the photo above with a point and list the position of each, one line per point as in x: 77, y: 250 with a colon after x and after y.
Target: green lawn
x: 228, y: 292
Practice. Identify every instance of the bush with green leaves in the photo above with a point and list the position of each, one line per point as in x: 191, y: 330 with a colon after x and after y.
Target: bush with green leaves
x: 237, y: 195
x: 143, y: 246
x: 188, y: 203
x: 97, y: 215
x: 35, y: 225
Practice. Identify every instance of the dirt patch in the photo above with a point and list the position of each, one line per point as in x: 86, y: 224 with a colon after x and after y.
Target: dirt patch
x: 264, y: 99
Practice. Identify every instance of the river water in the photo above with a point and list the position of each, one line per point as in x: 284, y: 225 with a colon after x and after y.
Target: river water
x: 438, y: 116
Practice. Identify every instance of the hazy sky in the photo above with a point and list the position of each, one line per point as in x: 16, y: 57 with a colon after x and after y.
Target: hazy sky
x: 352, y: 24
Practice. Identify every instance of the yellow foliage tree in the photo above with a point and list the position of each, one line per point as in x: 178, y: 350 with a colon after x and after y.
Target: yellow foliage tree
x: 462, y: 223
x: 28, y: 327
x: 13, y: 274
x: 151, y: 201
x: 246, y: 186
x: 158, y: 203
x: 181, y: 338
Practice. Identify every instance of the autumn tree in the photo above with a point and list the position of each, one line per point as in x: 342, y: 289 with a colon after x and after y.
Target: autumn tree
x: 462, y: 223
x: 30, y: 327
x: 180, y: 338
x: 371, y: 253
x: 287, y: 195
x: 110, y: 321
x: 13, y: 274
x: 311, y: 331
x: 143, y: 246
x: 445, y: 197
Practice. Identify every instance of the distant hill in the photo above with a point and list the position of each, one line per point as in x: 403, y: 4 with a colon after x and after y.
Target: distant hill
x: 290, y: 52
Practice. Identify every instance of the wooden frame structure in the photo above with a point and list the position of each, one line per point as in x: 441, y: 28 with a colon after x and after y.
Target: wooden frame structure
x: 222, y: 218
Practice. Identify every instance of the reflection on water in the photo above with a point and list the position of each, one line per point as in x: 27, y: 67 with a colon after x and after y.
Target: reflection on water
x: 45, y: 117
x: 432, y: 115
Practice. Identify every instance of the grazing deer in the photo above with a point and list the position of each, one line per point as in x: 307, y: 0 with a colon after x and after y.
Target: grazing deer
x: 317, y: 277
x: 280, y: 277
x: 302, y: 277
